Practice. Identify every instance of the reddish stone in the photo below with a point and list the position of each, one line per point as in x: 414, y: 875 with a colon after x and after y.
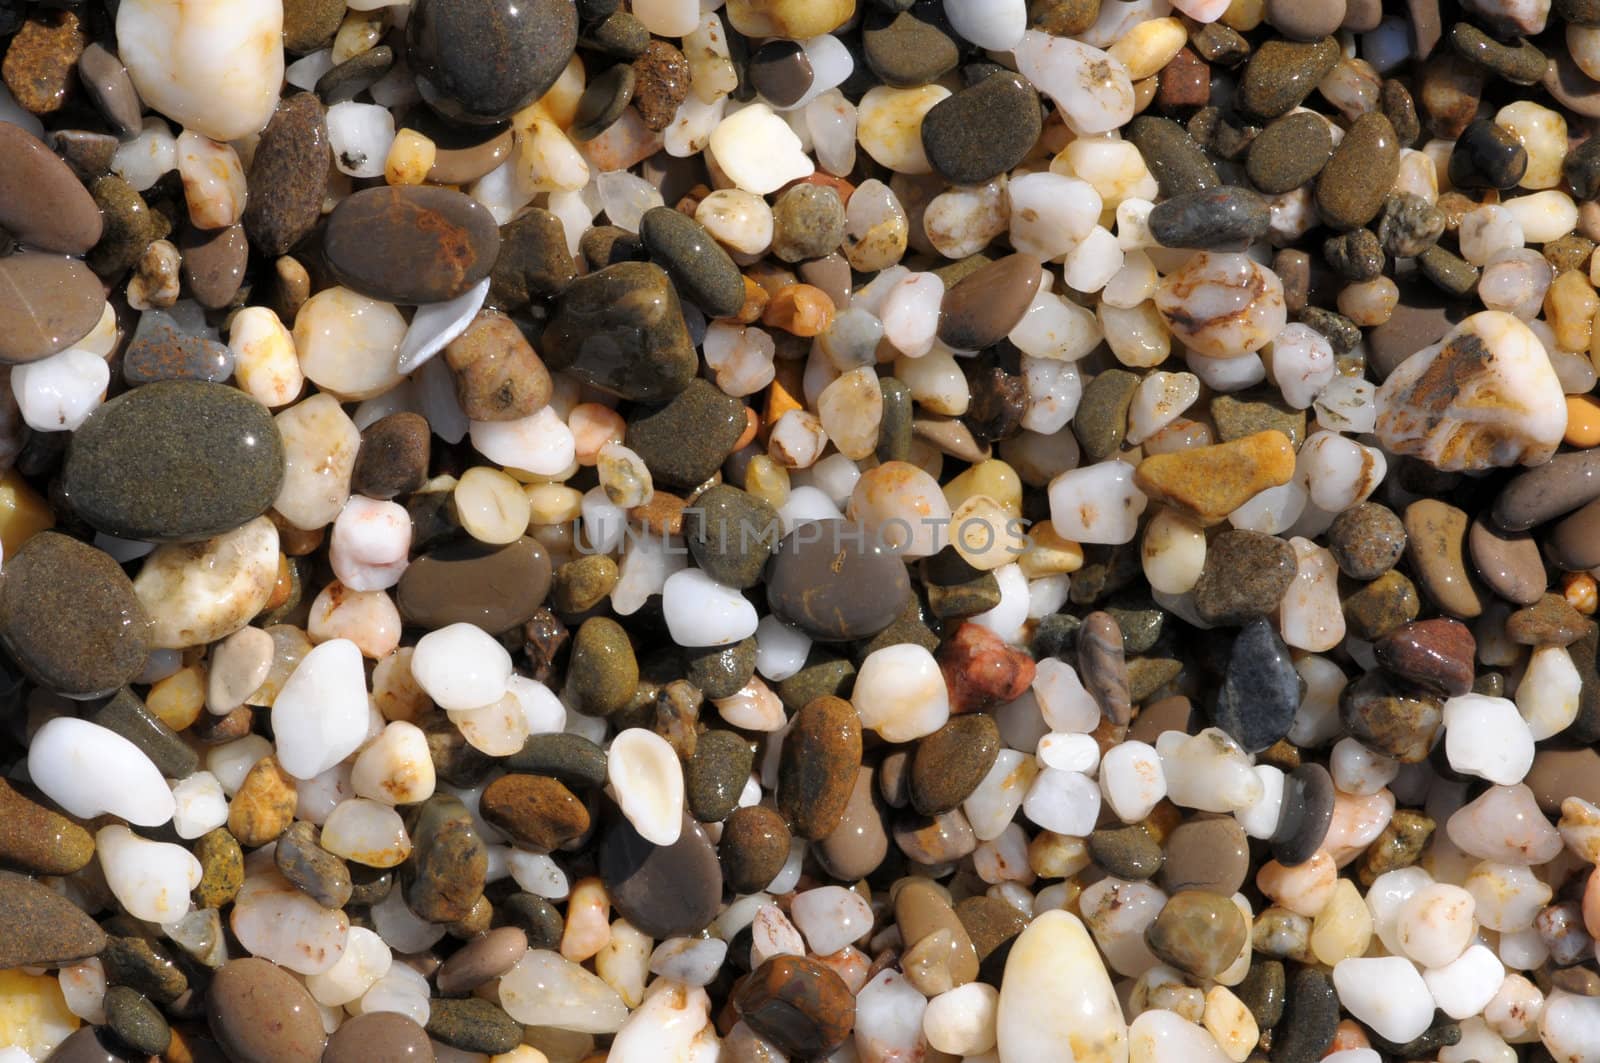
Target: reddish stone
x: 1436, y: 654
x: 1185, y: 84
x: 981, y: 671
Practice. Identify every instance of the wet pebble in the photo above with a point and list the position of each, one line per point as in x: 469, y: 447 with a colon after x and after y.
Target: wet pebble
x: 1209, y: 853
x: 1225, y: 219
x: 493, y: 587
x: 1289, y: 152
x: 259, y: 1013
x: 621, y: 328
x: 949, y: 764
x: 1437, y: 654
x: 534, y: 810
x: 663, y: 890
x: 42, y: 203
x: 1354, y: 184
x: 754, y: 846
x: 42, y: 928
x: 54, y: 302
x: 1486, y: 155
x: 288, y: 175
x: 410, y: 244
x: 1260, y: 691
x: 483, y: 60
x: 714, y: 777
x: 1198, y: 932
x: 982, y: 131
x: 378, y: 1037
x: 832, y: 580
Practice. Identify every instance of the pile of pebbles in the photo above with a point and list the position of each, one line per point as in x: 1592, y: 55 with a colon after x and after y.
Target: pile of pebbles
x: 864, y: 530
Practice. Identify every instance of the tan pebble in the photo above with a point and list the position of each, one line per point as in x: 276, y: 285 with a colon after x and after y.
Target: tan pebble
x: 1211, y: 482
x: 264, y: 806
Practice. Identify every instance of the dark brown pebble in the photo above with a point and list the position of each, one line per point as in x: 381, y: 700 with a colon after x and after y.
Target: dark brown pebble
x: 1281, y: 74
x: 1366, y: 540
x: 1436, y: 654
x: 88, y: 153
x: 621, y: 328
x: 1449, y: 89
x: 801, y: 1006
x: 106, y: 82
x: 499, y: 376
x: 533, y: 260
x: 41, y: 928
x: 51, y: 302
x: 1245, y: 575
x: 754, y: 847
x: 1551, y: 621
x: 309, y: 25
x: 481, y: 61
x: 982, y: 131
x: 1394, y: 719
x: 1198, y: 932
x: 780, y: 72
x: 1561, y: 773
x: 288, y: 175
x: 481, y: 959
x: 1357, y: 179
x: 950, y: 763
x: 1210, y: 853
x: 834, y: 581
x: 605, y: 98
x: 1128, y: 853
x: 662, y: 83
x: 494, y: 587
x: 987, y: 304
x: 393, y: 459
x: 449, y: 860
x: 1560, y: 485
x: 410, y: 244
x: 42, y: 203
x: 698, y: 265
x: 817, y: 767
x: 214, y: 263
x: 685, y: 442
x: 534, y: 810
x: 664, y: 890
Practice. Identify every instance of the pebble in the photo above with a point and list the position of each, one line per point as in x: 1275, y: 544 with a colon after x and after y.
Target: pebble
x: 56, y: 302
x: 986, y: 304
x: 480, y: 62
x: 663, y: 890
x: 1289, y: 152
x: 1487, y: 156
x: 195, y: 593
x: 1435, y: 534
x: 981, y: 131
x: 1197, y: 932
x: 139, y: 438
x: 1207, y: 853
x: 214, y: 264
x: 42, y: 928
x: 495, y: 588
x: 1358, y: 177
x: 949, y: 764
x: 802, y: 1007
x: 1366, y: 540
x: 46, y: 206
x: 1310, y: 1017
x: 37, y: 840
x: 444, y: 877
x: 1056, y: 991
x: 647, y: 357
x: 834, y: 581
x: 1246, y: 575
x: 1223, y: 219
x: 164, y: 48
x: 1222, y: 305
x: 447, y: 241
x: 906, y: 51
x: 378, y: 1037
x: 1436, y: 654
x: 258, y: 1013
x: 127, y: 716
x: 696, y: 263
x: 1281, y: 74
x: 288, y: 175
x: 1212, y: 481
x: 1395, y: 720
x: 136, y: 1022
x: 1260, y: 691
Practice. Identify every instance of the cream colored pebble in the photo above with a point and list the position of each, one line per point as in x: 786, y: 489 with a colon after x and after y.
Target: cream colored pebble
x: 492, y: 506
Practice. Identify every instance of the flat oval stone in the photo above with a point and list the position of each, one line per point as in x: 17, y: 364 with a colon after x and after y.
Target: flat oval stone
x: 1281, y: 74
x: 982, y: 131
x: 1198, y: 932
x: 859, y: 843
x: 907, y: 51
x: 571, y: 758
x: 379, y: 1037
x: 1560, y: 485
x: 410, y: 243
x: 1289, y: 152
x: 47, y: 303
x: 493, y: 587
x: 167, y: 346
x: 1206, y: 854
x: 833, y: 580
x: 817, y: 766
x: 479, y: 960
x: 985, y: 305
x: 950, y: 763
x: 1173, y: 157
x: 621, y: 328
x: 42, y: 202
x: 40, y: 928
x: 664, y: 890
x: 716, y: 775
x: 70, y: 619
x: 288, y: 175
x: 1572, y: 543
x: 755, y: 846
x: 1436, y: 654
x: 214, y: 263
x: 134, y: 467
x: 697, y: 264
x: 484, y: 60
x: 1229, y: 218
x: 106, y: 81
x: 1435, y: 535
x: 260, y: 1013
x: 37, y: 840
x: 1354, y: 184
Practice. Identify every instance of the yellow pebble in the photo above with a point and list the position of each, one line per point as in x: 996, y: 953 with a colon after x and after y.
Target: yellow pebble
x: 767, y: 480
x: 1149, y: 46
x: 994, y: 478
x: 1208, y: 483
x: 1230, y: 1022
x: 33, y: 1013
x: 1244, y: 15
x: 1569, y: 309
x: 1583, y: 421
x: 23, y: 513
x: 1048, y: 554
x: 177, y: 699
x: 491, y: 505
x: 553, y: 504
x: 1344, y: 926
x: 410, y: 158
x: 1580, y: 591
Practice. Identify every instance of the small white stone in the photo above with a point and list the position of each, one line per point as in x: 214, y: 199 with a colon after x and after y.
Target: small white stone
x: 1465, y: 986
x: 758, y: 151
x: 1223, y: 305
x: 991, y: 807
x: 1387, y: 994
x: 1091, y: 89
x: 1054, y: 390
x: 900, y: 693
x: 1260, y: 819
x: 1208, y: 771
x: 213, y: 181
x: 366, y: 959
x: 1055, y: 992
x: 146, y: 158
x: 1069, y: 752
x: 699, y: 611
x: 1159, y: 1035
x: 320, y: 715
x: 647, y: 779
x: 367, y: 833
x: 1504, y: 824
x: 276, y: 921
x: 1486, y: 736
x: 780, y: 649
x: 58, y: 393
x: 1435, y: 924
x: 1056, y: 328
x: 1063, y: 701
x: 1302, y: 363
x: 830, y: 917
x: 1097, y: 504
x: 544, y: 989
x: 320, y: 444
x: 199, y: 592
x: 961, y: 1021
x: 265, y: 364
x: 396, y: 767
x: 1051, y: 213
x: 151, y: 880
x: 1311, y: 616
x: 90, y: 771
x: 540, y: 443
x: 1358, y: 770
x: 1133, y: 780
x: 1547, y: 695
x: 1158, y: 401
x: 201, y: 805
x: 370, y: 543
x: 1066, y: 802
x: 461, y: 667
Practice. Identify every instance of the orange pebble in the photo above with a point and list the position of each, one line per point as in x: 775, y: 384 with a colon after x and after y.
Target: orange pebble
x: 1583, y: 421
x: 1581, y: 592
x: 752, y: 424
x: 1348, y: 1034
x: 284, y: 585
x: 800, y: 309
x: 756, y: 299
x: 779, y: 402
x: 593, y: 426
x: 296, y: 542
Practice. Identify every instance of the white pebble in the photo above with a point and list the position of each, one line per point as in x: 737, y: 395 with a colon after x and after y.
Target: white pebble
x: 461, y: 667
x: 647, y: 779
x: 1387, y: 994
x: 320, y: 715
x: 544, y: 989
x: 540, y: 443
x: 367, y: 833
x: 900, y: 693
x: 1066, y: 802
x: 758, y: 151
x: 274, y: 920
x: 699, y: 611
x: 201, y: 805
x: 1091, y: 89
x: 370, y: 543
x: 90, y: 771
x: 1097, y: 504
x: 58, y: 393
x: 1464, y: 987
x: 151, y: 880
x: 1260, y: 818
x: 366, y: 959
x: 1133, y: 780
x: 830, y: 917
x: 1486, y: 736
x: 1435, y: 924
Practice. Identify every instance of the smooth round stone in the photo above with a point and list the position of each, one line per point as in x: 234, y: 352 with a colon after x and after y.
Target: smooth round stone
x: 684, y: 442
x: 480, y: 960
x: 164, y: 347
x: 444, y: 878
x: 780, y: 72
x: 1487, y: 155
x: 1354, y: 184
x: 260, y: 1013
x: 1127, y: 853
x: 715, y: 776
x: 1198, y: 932
x: 570, y: 758
x: 69, y: 617
x: 1211, y: 854
x: 1560, y: 485
x: 410, y: 244
x: 136, y: 1022
x: 42, y: 202
x: 1260, y: 691
x: 1223, y: 219
x: 907, y: 51
x: 731, y: 534
x: 1281, y: 74
x: 948, y: 765
x: 663, y: 890
x: 698, y: 265
x: 473, y: 1025
x: 721, y: 671
x: 288, y: 175
x: 214, y: 263
x: 1391, y: 717
x: 379, y: 1037
x: 985, y: 305
x: 1289, y: 152
x: 602, y: 672
x: 1435, y: 536
x: 483, y: 60
x: 755, y: 846
x: 1177, y: 163
x: 621, y: 328
x: 136, y: 467
x: 1307, y: 812
x: 38, y: 841
x: 1305, y: 22
x: 833, y: 580
x: 817, y: 766
x: 493, y: 587
x: 1367, y: 540
x: 982, y: 131
x: 798, y: 1004
x: 603, y: 101
x: 42, y: 928
x: 1436, y: 654
x: 393, y: 459
x: 51, y: 303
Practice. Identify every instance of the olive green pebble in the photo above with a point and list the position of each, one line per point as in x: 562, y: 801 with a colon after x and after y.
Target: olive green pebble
x: 1449, y: 272
x: 1398, y: 845
x: 472, y: 1024
x: 1282, y: 74
x: 1178, y: 164
x: 221, y: 868
x: 1126, y: 852
x: 1055, y: 635
x: 948, y: 764
x: 807, y: 222
x: 906, y: 629
x: 136, y: 1022
x: 1520, y: 64
x: 603, y: 671
x: 1354, y: 184
x: 821, y: 675
x: 721, y: 671
x: 583, y: 583
x: 1409, y: 225
x: 1198, y: 932
x: 534, y: 916
x: 699, y: 267
x: 731, y: 534
x: 1219, y: 44
x: 683, y: 443
x: 1382, y: 605
x: 1102, y: 418
x: 128, y: 227
x: 962, y: 600
x: 618, y: 34
x: 1245, y: 413
x: 369, y: 885
x: 1356, y: 256
x: 142, y: 966
x: 1582, y: 169
x: 715, y: 776
x: 1262, y: 991
x: 1289, y: 152
x: 604, y: 100
x: 894, y: 430
x: 1147, y: 676
x: 312, y: 869
x: 1141, y: 622
x: 1063, y: 18
x: 1341, y: 333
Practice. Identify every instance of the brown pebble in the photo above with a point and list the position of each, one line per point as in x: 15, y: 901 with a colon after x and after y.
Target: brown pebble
x: 260, y: 1013
x: 214, y: 263
x: 921, y: 908
x: 1103, y: 666
x: 661, y: 84
x: 499, y: 376
x: 481, y: 959
x: 40, y: 63
x: 1210, y: 853
x: 1435, y: 538
x: 986, y: 304
x: 37, y: 840
x: 798, y: 1004
x: 42, y: 202
x: 394, y: 454
x: 817, y: 766
x: 535, y: 810
x: 934, y: 839
x: 1551, y: 621
x: 41, y: 928
x: 857, y: 846
x: 1198, y: 932
x: 755, y: 845
x: 264, y: 806
x: 950, y: 763
x: 1436, y: 654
